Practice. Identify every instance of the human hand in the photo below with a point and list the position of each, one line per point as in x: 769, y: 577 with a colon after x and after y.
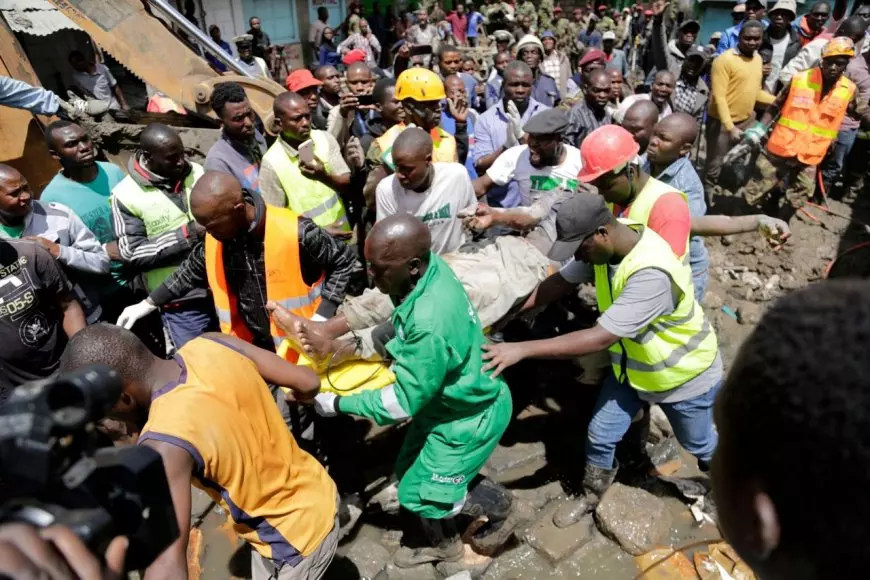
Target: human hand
x: 774, y: 230
x: 347, y: 104
x: 56, y: 553
x: 325, y: 404
x: 765, y: 69
x: 736, y: 134
x: 313, y: 170
x: 515, y: 129
x: 52, y: 247
x: 502, y: 356
x: 755, y: 133
x: 353, y: 153
x: 113, y: 250
x: 481, y: 220
x: 338, y: 233
x: 659, y: 7
x: 459, y: 109
x: 133, y: 313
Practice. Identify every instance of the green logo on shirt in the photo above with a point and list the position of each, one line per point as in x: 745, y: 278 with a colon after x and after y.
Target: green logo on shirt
x: 550, y: 182
x: 441, y: 213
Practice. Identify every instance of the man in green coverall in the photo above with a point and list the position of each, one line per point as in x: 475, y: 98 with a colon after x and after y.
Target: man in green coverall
x: 459, y: 412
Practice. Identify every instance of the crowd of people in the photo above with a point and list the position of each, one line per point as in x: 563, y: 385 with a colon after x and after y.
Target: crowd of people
x: 429, y: 181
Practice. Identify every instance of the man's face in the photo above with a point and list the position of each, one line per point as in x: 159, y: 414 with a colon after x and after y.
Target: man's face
x: 531, y: 55
x: 238, y: 120
x: 691, y: 68
x: 360, y: 80
x: 391, y: 108
x: 614, y: 187
x: 665, y: 146
x: 549, y: 44
x: 168, y: 160
x: 598, y: 90
x: 422, y: 18
x: 754, y: 10
x: 688, y: 36
x: 15, y: 195
x: 501, y: 46
x: 641, y: 128
x: 73, y: 147
x: 245, y: 52
x: 215, y: 34
x: 310, y: 95
x: 224, y: 223
x: 595, y: 249
x: 450, y: 63
x: 518, y: 86
x: 817, y: 18
x: 501, y: 61
x: 424, y: 114
x: 615, y: 84
x: 833, y: 67
x: 411, y: 168
x: 525, y: 22
x: 460, y: 9
x: 294, y: 120
x: 255, y: 24
x: 469, y: 66
x: 364, y: 27
x: 662, y: 89
x: 331, y: 80
x: 455, y: 89
x: 607, y: 45
x: 779, y: 20
x: 750, y: 40
x: 544, y: 150
x: 391, y: 276
x: 864, y: 12
x: 578, y: 15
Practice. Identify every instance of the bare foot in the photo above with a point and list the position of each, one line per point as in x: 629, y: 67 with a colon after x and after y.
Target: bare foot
x: 284, y: 319
x: 304, y: 333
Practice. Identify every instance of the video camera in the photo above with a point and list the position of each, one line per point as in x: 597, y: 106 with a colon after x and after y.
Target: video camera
x: 57, y: 470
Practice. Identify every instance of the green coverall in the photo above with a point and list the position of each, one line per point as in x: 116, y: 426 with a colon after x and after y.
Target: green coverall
x: 459, y: 412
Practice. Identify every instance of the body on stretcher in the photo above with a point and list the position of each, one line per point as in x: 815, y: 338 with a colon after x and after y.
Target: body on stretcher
x: 346, y: 378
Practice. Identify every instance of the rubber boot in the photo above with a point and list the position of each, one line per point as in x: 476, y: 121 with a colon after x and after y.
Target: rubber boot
x: 493, y: 500
x: 444, y: 545
x: 596, y: 480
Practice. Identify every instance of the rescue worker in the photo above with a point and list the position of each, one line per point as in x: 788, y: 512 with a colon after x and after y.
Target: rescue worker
x: 309, y: 188
x: 254, y: 65
x: 458, y: 412
x: 811, y: 108
x: 649, y: 318
x: 421, y: 92
x: 155, y: 229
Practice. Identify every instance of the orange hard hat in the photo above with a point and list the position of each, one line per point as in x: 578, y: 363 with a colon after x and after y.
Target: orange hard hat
x: 606, y: 149
x: 839, y: 46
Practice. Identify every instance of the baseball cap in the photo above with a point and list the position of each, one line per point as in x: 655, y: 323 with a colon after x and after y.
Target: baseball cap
x: 355, y: 55
x: 549, y: 122
x: 301, y: 79
x: 739, y: 9
x: 557, y: 8
x: 548, y: 34
x: 609, y: 35
x: 577, y: 218
x: 691, y: 24
x: 591, y: 56
x: 716, y: 36
x: 696, y: 50
x: 602, y: 7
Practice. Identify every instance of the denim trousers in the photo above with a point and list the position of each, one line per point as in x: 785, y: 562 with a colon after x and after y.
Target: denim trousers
x: 833, y: 164
x: 189, y: 319
x: 618, y: 403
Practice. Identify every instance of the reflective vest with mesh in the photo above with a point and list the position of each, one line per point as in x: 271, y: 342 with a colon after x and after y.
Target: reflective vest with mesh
x: 443, y: 145
x: 158, y: 213
x: 809, y: 122
x: 309, y: 197
x: 283, y: 271
x: 641, y: 208
x: 673, y: 349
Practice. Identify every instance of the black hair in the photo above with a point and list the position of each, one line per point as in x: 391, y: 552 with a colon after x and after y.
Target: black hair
x: 379, y: 93
x: 252, y: 18
x: 223, y: 93
x: 818, y: 4
x: 56, y: 126
x: 517, y: 66
x: 212, y: 28
x: 795, y: 413
x: 76, y: 54
x: 448, y: 50
x: 155, y: 135
x: 110, y: 345
x: 752, y: 24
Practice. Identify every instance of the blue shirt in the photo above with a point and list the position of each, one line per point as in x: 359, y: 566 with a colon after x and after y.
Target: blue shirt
x: 448, y: 123
x: 490, y: 136
x: 470, y: 89
x: 213, y: 61
x: 492, y: 94
x: 592, y: 40
x: 328, y: 55
x: 732, y: 35
x: 545, y: 90
x: 19, y: 95
x: 474, y: 19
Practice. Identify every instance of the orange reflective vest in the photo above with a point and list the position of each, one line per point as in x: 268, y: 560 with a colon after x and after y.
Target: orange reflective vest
x: 808, y: 122
x: 284, y: 283
x: 443, y: 145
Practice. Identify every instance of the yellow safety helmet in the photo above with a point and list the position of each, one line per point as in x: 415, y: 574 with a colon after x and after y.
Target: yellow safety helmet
x: 420, y: 84
x: 840, y: 46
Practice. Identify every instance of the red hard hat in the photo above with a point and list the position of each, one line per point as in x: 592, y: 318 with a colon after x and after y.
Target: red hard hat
x: 605, y: 149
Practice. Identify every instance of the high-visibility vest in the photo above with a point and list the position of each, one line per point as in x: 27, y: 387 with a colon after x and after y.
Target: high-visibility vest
x: 641, y: 208
x: 808, y: 123
x: 443, y: 145
x: 309, y: 197
x: 673, y: 349
x: 159, y: 214
x: 283, y: 271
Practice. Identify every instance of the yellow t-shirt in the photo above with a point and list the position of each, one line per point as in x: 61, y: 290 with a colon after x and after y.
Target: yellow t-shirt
x: 736, y: 87
x: 281, y: 499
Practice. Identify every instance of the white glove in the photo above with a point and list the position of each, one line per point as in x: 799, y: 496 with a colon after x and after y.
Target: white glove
x: 133, y: 313
x: 515, y: 126
x: 773, y: 228
x: 324, y: 404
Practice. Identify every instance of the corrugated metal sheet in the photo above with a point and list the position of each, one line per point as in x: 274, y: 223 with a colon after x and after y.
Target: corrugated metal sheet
x: 36, y: 17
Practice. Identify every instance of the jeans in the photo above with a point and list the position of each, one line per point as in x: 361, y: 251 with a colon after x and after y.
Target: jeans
x: 832, y: 166
x: 700, y: 264
x: 189, y: 319
x: 618, y: 403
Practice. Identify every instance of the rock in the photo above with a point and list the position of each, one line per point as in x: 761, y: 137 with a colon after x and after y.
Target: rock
x: 424, y: 572
x: 789, y: 282
x: 751, y: 279
x: 471, y: 564
x: 713, y: 300
x: 600, y: 559
x: 391, y: 539
x: 521, y: 562
x: 676, y: 567
x: 200, y: 505
x: 540, y: 496
x: 558, y: 543
x: 726, y: 240
x: 666, y: 456
x: 504, y: 459
x: 659, y: 422
x: 746, y: 250
x: 387, y: 499
x: 368, y: 556
x: 635, y: 519
x: 772, y: 282
x: 464, y: 575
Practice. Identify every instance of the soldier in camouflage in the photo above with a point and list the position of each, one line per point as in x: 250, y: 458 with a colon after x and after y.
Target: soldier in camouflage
x: 527, y: 8
x: 545, y: 15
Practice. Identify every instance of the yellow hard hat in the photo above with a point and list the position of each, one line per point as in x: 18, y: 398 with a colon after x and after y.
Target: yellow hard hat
x: 420, y: 84
x: 840, y: 46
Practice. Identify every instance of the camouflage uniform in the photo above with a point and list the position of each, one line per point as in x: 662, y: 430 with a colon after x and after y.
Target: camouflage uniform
x: 798, y: 179
x: 527, y: 8
x: 605, y: 24
x: 545, y: 15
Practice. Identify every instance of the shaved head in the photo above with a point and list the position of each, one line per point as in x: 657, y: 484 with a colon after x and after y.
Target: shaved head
x: 413, y: 141
x: 9, y: 172
x: 599, y: 75
x: 157, y: 135
x: 412, y: 156
x: 163, y: 151
x: 15, y: 195
x: 287, y: 100
x: 398, y: 249
x: 682, y: 125
x: 639, y: 120
x: 359, y: 69
x: 672, y: 138
x: 517, y: 67
x: 218, y: 204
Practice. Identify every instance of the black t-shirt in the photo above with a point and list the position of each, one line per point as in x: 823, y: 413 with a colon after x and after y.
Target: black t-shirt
x: 31, y: 321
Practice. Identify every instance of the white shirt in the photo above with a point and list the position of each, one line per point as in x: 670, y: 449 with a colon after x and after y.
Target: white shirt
x: 629, y: 101
x: 542, y: 189
x: 776, y: 61
x: 99, y: 84
x: 437, y: 207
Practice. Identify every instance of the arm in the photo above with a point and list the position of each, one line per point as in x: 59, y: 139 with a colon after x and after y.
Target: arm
x: 485, y: 152
x: 553, y: 288
x: 120, y: 96
x: 56, y: 288
x: 338, y: 177
x: 659, y: 43
x: 338, y: 125
x: 804, y: 59
x: 774, y: 229
x: 84, y: 253
x: 376, y: 47
x: 482, y: 184
x: 420, y: 372
x: 20, y: 95
x: 178, y: 463
x: 335, y: 258
x: 346, y: 45
x: 274, y: 369
x: 776, y: 106
x: 719, y: 82
x: 116, y: 88
x: 73, y: 316
x: 190, y: 274
x: 145, y: 253
x: 461, y: 137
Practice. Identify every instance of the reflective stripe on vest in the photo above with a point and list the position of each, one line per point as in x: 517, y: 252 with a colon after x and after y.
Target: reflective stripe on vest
x: 673, y: 349
x: 443, y: 145
x: 311, y: 198
x: 283, y: 271
x: 158, y: 213
x: 641, y: 208
x: 809, y: 123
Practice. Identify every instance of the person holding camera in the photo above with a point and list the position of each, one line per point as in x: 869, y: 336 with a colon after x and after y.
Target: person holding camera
x: 209, y: 414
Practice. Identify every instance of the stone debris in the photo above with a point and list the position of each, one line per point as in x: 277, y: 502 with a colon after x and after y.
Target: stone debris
x: 667, y: 456
x: 423, y: 572
x: 515, y: 564
x: 369, y: 557
x: 517, y: 455
x: 632, y: 517
x: 660, y: 425
x: 672, y: 566
x: 558, y: 543
x: 541, y: 496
